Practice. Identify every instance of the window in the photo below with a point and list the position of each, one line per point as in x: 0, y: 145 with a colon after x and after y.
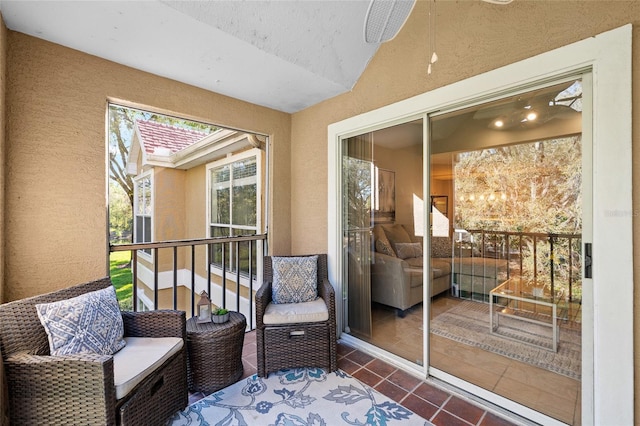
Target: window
x: 143, y: 210
x: 233, y: 188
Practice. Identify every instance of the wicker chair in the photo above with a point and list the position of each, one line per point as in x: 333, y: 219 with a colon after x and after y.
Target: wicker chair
x: 79, y: 389
x: 298, y: 344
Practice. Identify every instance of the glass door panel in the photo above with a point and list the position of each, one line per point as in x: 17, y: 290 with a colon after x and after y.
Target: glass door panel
x: 357, y: 184
x: 382, y: 249
x: 511, y: 172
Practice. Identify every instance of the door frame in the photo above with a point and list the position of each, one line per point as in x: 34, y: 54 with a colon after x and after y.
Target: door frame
x: 607, y: 387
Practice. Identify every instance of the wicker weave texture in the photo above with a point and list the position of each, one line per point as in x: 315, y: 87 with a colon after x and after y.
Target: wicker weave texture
x: 46, y: 390
x: 215, y: 353
x: 297, y: 344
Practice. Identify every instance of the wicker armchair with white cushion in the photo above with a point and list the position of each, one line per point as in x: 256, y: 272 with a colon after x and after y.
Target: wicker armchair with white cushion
x: 295, y: 315
x: 126, y: 368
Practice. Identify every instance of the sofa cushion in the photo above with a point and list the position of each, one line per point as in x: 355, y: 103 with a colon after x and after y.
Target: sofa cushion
x: 414, y: 262
x: 89, y: 323
x: 382, y: 244
x: 440, y: 267
x: 288, y: 313
x: 396, y: 234
x: 408, y: 250
x: 295, y: 279
x: 384, y: 247
x: 139, y: 358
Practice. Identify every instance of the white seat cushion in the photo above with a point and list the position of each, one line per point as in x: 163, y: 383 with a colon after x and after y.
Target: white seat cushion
x: 140, y: 357
x: 287, y: 313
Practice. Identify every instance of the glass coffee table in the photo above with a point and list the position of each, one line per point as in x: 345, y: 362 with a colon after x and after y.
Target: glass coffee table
x: 524, y: 302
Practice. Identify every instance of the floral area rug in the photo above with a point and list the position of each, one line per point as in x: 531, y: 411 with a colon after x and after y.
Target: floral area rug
x: 305, y: 396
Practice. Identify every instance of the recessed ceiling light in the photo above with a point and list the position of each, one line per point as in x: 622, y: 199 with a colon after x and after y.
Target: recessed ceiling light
x: 498, y: 123
x: 532, y: 116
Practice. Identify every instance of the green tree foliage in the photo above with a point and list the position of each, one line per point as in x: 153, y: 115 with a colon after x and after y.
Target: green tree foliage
x: 534, y: 187
x: 527, y: 188
x: 121, y: 121
x: 120, y: 215
x: 357, y: 190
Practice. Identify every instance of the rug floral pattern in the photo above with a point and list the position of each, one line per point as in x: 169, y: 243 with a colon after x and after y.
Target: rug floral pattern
x: 297, y: 397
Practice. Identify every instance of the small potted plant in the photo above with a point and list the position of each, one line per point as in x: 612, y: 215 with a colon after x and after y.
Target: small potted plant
x: 220, y: 315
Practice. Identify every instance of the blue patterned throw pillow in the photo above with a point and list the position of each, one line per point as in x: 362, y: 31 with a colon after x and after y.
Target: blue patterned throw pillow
x: 295, y: 279
x: 89, y: 323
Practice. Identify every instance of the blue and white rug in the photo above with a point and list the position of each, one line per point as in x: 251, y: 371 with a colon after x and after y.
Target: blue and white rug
x: 297, y: 397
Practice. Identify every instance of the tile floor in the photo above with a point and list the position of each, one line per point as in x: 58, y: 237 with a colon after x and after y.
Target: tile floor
x: 425, y: 399
x: 552, y: 394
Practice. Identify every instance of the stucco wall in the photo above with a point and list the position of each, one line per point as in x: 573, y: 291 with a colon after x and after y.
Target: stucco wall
x: 169, y: 212
x: 472, y: 38
x: 406, y: 164
x: 55, y: 192
x: 3, y: 68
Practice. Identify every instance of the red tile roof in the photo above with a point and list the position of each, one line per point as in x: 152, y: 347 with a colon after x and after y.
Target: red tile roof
x: 156, y: 135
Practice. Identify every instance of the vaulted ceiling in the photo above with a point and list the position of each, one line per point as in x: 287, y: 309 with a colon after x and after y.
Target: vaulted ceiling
x: 285, y: 55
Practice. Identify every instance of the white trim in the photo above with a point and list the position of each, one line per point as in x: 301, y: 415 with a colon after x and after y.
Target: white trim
x: 148, y: 303
x: 165, y: 281
x: 609, y: 394
x: 146, y: 256
x: 257, y: 153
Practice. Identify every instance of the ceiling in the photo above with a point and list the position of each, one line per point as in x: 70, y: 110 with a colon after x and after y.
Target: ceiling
x: 285, y: 55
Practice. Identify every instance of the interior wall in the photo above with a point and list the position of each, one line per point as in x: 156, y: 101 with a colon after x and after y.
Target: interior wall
x: 56, y: 157
x: 472, y: 38
x: 406, y: 163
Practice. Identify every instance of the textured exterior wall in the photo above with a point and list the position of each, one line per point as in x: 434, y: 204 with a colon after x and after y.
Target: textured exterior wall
x: 472, y: 38
x: 56, y: 157
x: 3, y: 80
x: 3, y: 88
x: 169, y: 212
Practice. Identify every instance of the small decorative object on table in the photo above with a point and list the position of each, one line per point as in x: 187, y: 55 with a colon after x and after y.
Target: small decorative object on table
x: 204, y: 308
x: 220, y: 315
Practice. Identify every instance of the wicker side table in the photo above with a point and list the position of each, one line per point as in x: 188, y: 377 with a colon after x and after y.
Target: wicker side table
x: 215, y: 353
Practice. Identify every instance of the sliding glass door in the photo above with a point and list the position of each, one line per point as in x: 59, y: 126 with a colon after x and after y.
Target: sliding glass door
x: 506, y: 190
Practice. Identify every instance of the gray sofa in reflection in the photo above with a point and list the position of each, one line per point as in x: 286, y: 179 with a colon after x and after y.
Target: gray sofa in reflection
x: 396, y: 271
x: 396, y: 275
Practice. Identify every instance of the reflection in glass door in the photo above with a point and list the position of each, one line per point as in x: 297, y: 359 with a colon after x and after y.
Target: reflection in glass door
x: 382, y: 248
x: 511, y: 171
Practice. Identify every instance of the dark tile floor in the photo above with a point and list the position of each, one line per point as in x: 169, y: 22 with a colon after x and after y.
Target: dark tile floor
x: 431, y: 402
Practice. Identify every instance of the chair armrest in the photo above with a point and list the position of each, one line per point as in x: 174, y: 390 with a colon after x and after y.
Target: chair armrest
x: 262, y: 298
x: 161, y: 323
x: 326, y: 291
x: 83, y: 383
x: 328, y: 294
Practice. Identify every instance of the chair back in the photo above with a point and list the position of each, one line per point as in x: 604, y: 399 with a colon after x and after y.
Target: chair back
x: 323, y: 272
x: 20, y: 327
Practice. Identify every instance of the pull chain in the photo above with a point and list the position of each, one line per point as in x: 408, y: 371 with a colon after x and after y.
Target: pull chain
x: 432, y: 35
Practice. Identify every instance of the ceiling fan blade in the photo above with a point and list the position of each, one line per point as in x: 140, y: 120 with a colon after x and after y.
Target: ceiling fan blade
x: 385, y: 18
